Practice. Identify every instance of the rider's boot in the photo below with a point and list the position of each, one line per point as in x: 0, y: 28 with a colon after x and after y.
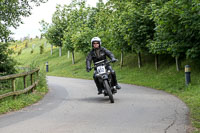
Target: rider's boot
x: 99, y: 88
x: 99, y: 92
x: 118, y: 87
x: 114, y: 89
x: 115, y: 81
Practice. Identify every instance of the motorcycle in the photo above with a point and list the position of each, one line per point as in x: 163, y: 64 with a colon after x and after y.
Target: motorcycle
x: 105, y: 78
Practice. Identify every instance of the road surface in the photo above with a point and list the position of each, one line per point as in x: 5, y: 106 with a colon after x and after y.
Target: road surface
x: 73, y: 106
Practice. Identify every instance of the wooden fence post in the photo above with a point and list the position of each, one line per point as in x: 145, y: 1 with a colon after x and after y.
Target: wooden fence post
x: 24, y: 82
x: 37, y: 74
x: 34, y: 74
x: 32, y: 81
x: 13, y: 87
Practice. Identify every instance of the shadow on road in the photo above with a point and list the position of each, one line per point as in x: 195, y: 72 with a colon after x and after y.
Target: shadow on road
x: 97, y: 99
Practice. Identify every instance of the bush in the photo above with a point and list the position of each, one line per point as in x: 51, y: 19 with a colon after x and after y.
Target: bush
x: 32, y: 51
x: 7, y: 64
x: 41, y: 49
x: 19, y: 52
x: 26, y: 44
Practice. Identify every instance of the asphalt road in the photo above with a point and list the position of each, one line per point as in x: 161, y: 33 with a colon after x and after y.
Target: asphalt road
x: 73, y: 106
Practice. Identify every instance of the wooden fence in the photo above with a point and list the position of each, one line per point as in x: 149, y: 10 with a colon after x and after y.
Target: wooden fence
x: 14, y: 92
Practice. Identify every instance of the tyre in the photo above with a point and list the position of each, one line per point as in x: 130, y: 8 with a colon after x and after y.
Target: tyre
x: 108, y: 89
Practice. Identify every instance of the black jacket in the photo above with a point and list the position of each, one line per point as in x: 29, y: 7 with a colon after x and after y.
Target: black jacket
x: 92, y: 56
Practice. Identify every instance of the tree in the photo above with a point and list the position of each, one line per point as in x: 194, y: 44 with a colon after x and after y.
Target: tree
x: 6, y: 62
x: 59, y: 26
x: 116, y: 27
x: 54, y: 32
x: 82, y: 32
x: 47, y: 33
x: 177, y: 31
x: 191, y: 24
x: 11, y: 13
x: 77, y: 34
x: 138, y: 28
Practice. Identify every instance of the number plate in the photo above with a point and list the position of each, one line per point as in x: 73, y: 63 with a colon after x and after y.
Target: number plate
x: 101, y: 69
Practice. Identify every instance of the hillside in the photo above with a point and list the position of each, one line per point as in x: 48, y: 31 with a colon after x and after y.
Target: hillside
x: 166, y: 78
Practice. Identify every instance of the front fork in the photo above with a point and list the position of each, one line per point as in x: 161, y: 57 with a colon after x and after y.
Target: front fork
x: 107, y: 77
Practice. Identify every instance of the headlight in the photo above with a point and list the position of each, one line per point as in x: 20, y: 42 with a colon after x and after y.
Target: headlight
x: 109, y: 71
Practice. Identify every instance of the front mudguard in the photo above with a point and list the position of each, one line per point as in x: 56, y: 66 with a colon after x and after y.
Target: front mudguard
x: 105, y: 77
x: 101, y: 78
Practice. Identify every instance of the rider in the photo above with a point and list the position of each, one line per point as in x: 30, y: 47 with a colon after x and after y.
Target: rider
x: 99, y: 53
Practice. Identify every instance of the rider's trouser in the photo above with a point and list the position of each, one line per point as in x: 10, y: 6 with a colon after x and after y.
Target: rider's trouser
x: 114, y: 79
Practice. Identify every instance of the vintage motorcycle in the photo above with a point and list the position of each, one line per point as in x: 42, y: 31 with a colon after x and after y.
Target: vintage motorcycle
x: 105, y: 78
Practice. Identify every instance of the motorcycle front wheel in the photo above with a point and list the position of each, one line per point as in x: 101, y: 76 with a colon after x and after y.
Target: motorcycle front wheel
x: 108, y: 89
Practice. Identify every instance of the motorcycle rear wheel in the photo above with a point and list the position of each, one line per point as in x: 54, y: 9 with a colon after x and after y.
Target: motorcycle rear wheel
x: 108, y: 89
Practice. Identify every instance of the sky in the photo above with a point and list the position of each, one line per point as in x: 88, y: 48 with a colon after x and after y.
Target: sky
x: 45, y: 11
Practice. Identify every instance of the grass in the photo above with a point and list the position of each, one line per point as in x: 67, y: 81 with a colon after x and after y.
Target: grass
x: 8, y: 104
x: 166, y: 78
x: 23, y: 100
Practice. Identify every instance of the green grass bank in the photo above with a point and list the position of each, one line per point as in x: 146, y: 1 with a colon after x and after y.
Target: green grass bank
x: 165, y: 78
x: 9, y: 104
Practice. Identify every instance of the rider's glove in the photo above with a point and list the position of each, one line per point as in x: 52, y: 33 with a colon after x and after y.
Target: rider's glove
x: 89, y: 69
x: 113, y: 60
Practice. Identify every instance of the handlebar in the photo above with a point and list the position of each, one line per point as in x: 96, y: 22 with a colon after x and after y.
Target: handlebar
x: 106, y: 62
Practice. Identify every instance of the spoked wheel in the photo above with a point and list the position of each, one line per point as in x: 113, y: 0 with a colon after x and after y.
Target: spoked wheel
x: 108, y: 89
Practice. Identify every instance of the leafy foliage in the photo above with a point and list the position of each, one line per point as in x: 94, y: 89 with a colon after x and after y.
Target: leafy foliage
x: 77, y: 33
x: 156, y: 26
x: 11, y: 13
x: 177, y: 28
x: 6, y: 62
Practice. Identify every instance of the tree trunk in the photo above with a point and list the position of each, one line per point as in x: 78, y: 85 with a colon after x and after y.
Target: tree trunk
x: 73, y: 60
x: 177, y: 63
x: 68, y: 54
x: 122, y: 60
x: 51, y: 49
x: 156, y: 62
x: 60, y: 51
x: 139, y: 60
